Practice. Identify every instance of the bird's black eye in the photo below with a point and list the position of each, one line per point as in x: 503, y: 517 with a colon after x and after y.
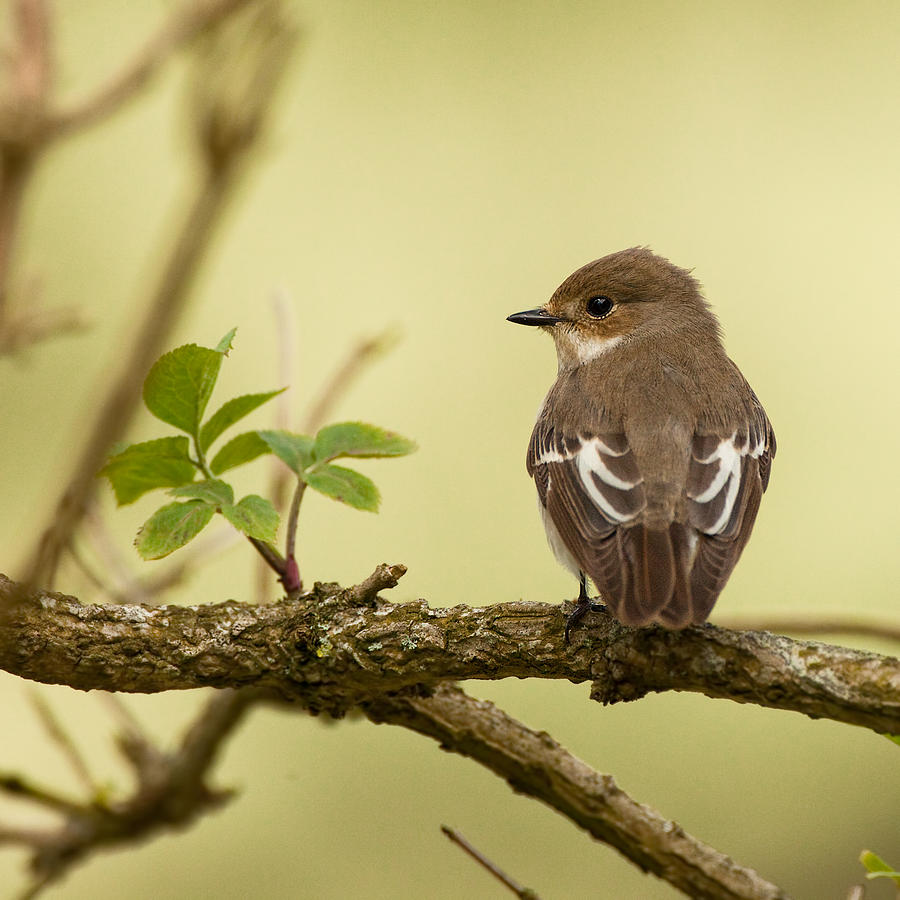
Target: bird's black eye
x: 599, y: 307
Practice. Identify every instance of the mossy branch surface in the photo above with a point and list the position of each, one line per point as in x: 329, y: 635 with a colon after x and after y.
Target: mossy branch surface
x: 335, y: 648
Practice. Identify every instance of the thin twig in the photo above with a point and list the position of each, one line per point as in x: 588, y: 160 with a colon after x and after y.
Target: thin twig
x: 29, y: 837
x: 128, y: 722
x: 15, y: 171
x: 280, y: 475
x: 815, y: 623
x: 16, y: 786
x: 64, y: 741
x: 286, y: 337
x: 498, y: 873
x: 90, y: 572
x: 366, y: 351
x: 128, y: 587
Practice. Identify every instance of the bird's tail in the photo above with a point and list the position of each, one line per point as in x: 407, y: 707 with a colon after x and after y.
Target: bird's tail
x: 655, y: 577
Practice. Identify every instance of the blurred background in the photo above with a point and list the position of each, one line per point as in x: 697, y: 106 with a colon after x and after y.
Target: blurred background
x: 431, y: 169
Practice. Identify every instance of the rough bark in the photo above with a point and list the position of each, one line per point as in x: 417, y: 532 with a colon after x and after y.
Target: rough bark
x: 333, y: 649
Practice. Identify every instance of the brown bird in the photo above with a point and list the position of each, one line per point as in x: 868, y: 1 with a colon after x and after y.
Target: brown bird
x: 651, y: 452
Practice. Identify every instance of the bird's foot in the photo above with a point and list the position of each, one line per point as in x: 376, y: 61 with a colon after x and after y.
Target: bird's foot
x: 583, y: 605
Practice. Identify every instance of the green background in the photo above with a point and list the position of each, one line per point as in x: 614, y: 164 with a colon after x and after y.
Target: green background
x: 433, y: 168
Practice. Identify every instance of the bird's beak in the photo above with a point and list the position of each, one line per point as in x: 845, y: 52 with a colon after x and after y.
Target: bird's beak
x: 537, y: 316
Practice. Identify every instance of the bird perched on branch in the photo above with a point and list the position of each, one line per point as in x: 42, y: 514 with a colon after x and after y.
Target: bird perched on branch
x: 651, y: 452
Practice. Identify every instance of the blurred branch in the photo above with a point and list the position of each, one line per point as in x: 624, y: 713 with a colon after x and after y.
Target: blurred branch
x: 365, y: 352
x: 184, y: 26
x: 234, y: 92
x: 22, y: 109
x: 815, y: 623
x: 537, y: 766
x: 498, y: 873
x: 328, y: 650
x: 123, y: 585
x: 29, y: 125
x: 65, y: 742
x: 171, y: 790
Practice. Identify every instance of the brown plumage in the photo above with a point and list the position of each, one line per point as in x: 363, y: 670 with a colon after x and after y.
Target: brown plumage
x: 651, y: 452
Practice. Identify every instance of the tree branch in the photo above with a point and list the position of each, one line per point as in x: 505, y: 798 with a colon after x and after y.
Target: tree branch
x: 171, y: 791
x: 535, y: 765
x: 328, y: 650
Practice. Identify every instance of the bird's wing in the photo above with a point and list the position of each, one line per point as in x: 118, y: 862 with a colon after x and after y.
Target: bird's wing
x: 593, y: 491
x: 589, y: 485
x: 727, y: 475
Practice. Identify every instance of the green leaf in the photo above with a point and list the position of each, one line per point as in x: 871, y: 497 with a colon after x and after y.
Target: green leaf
x: 172, y: 527
x: 294, y: 450
x: 255, y: 517
x: 239, y: 450
x: 893, y: 737
x: 149, y: 465
x: 229, y: 413
x: 213, y: 492
x: 361, y: 440
x: 877, y: 867
x: 180, y: 383
x: 224, y: 346
x: 346, y: 485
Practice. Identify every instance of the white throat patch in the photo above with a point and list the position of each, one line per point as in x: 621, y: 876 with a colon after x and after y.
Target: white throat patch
x: 579, y: 350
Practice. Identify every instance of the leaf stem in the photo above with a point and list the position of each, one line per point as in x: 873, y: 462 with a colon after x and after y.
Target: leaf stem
x: 293, y: 573
x: 200, y: 461
x: 273, y: 558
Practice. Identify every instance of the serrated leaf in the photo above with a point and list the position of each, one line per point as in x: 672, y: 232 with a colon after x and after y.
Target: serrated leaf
x: 877, y: 867
x: 254, y: 516
x: 213, y: 492
x: 237, y: 451
x: 149, y: 465
x: 180, y: 383
x: 229, y: 413
x: 346, y: 485
x: 171, y: 527
x: 360, y: 440
x: 224, y: 346
x: 294, y: 450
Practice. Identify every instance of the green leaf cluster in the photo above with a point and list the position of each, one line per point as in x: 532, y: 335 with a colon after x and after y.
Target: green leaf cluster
x: 177, y: 391
x: 311, y: 458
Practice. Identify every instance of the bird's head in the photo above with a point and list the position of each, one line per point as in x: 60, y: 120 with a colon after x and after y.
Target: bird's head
x: 619, y: 298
